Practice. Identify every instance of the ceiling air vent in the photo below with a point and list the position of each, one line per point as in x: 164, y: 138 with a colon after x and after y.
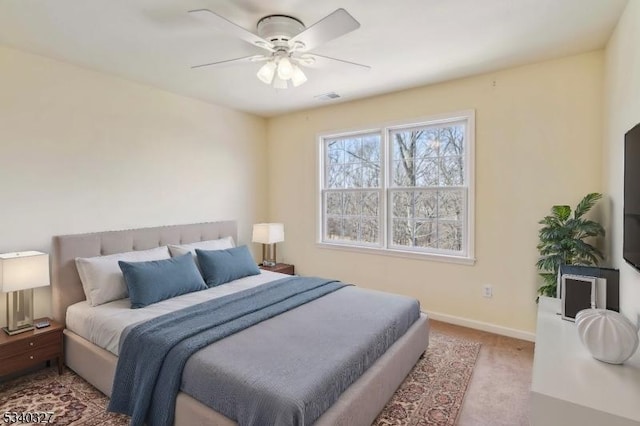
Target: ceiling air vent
x: 327, y: 96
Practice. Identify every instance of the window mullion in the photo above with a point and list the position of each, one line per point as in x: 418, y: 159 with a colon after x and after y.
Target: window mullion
x: 382, y: 228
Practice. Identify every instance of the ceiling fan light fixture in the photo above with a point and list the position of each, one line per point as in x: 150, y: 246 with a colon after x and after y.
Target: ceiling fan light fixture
x: 285, y: 68
x: 267, y: 72
x: 297, y: 76
x: 288, y: 41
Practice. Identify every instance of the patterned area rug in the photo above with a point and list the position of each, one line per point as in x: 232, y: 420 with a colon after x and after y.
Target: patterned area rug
x: 433, y: 391
x: 432, y: 394
x: 72, y: 400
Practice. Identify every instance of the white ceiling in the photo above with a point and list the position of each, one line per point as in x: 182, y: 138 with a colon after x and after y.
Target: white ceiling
x: 407, y: 43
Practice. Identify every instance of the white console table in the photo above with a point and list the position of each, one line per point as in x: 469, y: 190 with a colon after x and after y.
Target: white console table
x: 569, y: 387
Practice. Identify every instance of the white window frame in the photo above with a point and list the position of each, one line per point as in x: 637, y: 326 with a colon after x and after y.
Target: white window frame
x: 467, y: 254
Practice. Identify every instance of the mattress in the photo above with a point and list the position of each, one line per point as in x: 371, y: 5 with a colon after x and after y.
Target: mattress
x: 102, y: 325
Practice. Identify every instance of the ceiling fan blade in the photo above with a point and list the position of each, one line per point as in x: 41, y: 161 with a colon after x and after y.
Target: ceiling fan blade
x: 334, y: 25
x: 315, y: 55
x: 254, y: 58
x: 224, y: 24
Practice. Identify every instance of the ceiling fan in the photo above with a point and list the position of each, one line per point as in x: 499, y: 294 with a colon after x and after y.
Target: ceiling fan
x: 288, y: 42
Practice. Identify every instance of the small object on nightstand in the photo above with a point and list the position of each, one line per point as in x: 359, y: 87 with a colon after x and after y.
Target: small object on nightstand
x: 283, y: 268
x: 42, y: 324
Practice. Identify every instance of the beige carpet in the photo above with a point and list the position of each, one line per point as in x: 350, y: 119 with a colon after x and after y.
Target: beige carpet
x: 499, y: 391
x: 432, y: 394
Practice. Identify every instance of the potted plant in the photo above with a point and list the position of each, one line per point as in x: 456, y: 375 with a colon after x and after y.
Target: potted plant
x: 562, y: 241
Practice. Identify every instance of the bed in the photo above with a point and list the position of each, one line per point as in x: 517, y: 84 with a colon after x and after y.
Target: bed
x: 359, y: 404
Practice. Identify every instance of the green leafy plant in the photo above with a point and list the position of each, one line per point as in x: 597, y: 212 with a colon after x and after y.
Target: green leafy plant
x: 562, y: 241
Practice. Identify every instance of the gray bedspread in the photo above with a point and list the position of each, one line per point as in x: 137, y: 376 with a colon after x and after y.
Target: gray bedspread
x: 300, y: 361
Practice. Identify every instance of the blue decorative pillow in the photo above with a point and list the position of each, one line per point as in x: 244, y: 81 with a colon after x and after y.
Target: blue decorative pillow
x: 156, y: 280
x: 221, y: 266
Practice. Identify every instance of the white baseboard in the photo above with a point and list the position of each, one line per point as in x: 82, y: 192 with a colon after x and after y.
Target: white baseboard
x: 484, y: 326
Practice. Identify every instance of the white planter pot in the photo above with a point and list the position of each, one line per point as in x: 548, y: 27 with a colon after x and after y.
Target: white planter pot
x: 608, y: 335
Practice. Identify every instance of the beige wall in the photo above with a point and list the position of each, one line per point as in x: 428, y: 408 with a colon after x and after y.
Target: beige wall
x: 622, y: 112
x: 83, y: 151
x: 538, y: 143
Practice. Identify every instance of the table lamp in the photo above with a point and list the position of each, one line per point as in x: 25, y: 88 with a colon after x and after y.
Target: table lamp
x: 20, y: 273
x: 268, y: 234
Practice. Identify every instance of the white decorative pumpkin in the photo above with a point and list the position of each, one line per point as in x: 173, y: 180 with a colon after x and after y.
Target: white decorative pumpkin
x: 608, y: 335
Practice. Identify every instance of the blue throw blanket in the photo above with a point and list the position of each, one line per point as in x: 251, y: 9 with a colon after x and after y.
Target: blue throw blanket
x: 154, y: 353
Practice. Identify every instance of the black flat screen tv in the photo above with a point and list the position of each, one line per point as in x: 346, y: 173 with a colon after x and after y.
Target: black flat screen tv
x: 631, y: 221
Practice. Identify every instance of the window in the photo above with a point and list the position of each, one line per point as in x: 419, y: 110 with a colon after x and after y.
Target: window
x: 353, y: 189
x: 404, y: 188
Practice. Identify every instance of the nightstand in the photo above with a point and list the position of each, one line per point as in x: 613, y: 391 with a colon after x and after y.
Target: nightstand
x: 31, y: 348
x: 283, y: 268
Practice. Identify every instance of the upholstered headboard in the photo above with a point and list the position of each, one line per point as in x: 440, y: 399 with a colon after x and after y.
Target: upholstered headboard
x: 66, y: 287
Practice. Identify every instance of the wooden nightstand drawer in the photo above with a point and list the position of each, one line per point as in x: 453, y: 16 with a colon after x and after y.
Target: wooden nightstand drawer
x: 26, y: 359
x: 34, y: 342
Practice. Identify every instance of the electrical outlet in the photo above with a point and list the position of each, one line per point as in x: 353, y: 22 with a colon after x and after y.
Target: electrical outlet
x: 487, y: 291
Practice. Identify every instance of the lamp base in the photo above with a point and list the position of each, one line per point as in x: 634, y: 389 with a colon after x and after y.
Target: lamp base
x: 269, y: 254
x: 21, y: 329
x: 19, y: 312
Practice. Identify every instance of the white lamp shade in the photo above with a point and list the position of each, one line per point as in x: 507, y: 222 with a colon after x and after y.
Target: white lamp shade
x: 267, y: 72
x: 279, y: 83
x: 23, y: 270
x: 285, y: 68
x: 268, y: 233
x: 298, y: 76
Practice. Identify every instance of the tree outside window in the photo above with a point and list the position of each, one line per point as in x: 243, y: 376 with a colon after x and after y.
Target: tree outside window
x: 427, y: 192
x: 353, y: 181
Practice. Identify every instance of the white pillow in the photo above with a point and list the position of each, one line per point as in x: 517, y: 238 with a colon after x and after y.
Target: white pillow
x: 220, y: 244
x: 102, y: 279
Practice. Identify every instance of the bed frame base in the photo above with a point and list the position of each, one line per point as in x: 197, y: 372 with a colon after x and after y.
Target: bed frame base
x: 360, y: 404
